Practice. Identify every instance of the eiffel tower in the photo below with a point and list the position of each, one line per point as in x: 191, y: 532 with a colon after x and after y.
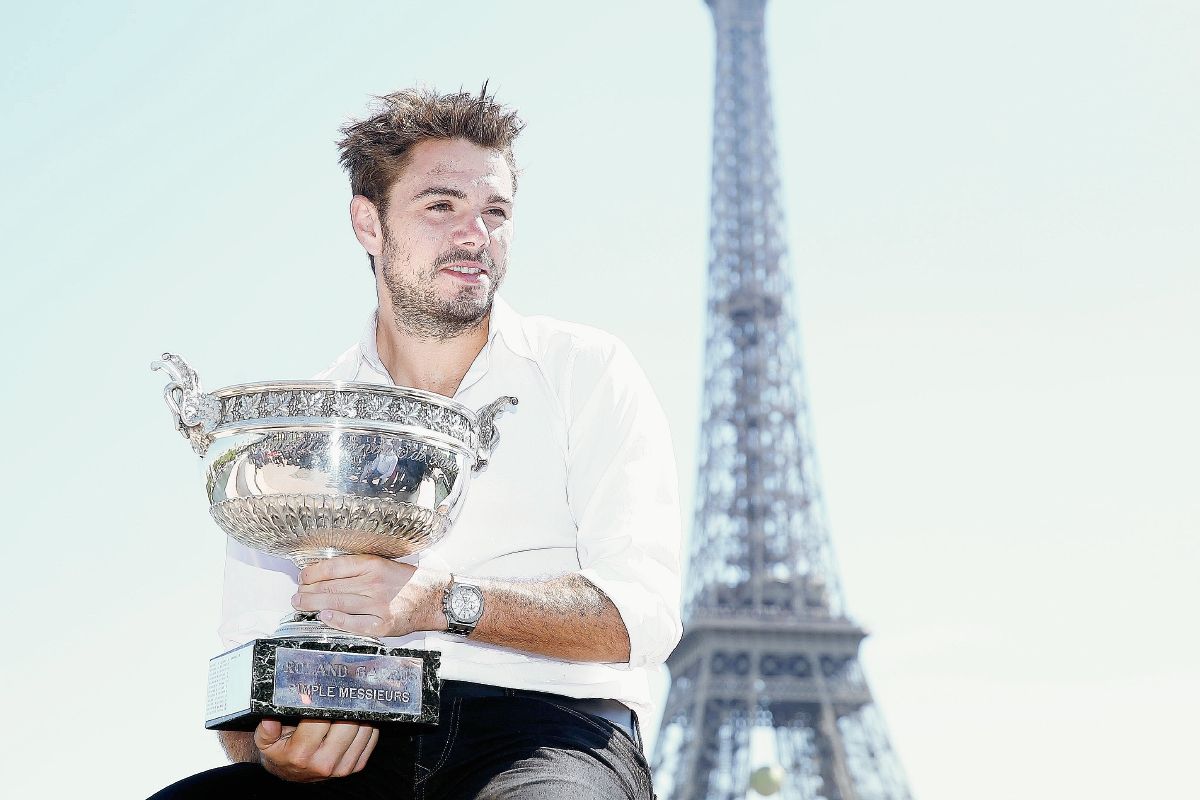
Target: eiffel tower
x: 767, y: 691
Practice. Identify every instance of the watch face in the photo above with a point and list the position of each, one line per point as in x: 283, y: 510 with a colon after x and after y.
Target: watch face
x: 466, y: 603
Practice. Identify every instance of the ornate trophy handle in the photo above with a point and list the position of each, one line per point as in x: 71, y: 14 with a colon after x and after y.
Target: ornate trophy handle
x: 489, y: 434
x: 196, y: 414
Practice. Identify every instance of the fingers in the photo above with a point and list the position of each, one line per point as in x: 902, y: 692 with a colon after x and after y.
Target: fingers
x: 364, y: 624
x: 353, y: 757
x: 306, y: 739
x: 347, y: 612
x: 340, y: 567
x: 268, y: 732
x: 362, y: 760
x: 361, y: 574
x: 359, y: 584
x: 367, y: 595
x: 316, y: 749
x: 349, y: 603
x: 337, y: 741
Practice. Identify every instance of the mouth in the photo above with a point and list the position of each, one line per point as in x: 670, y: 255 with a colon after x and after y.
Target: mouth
x: 468, y: 271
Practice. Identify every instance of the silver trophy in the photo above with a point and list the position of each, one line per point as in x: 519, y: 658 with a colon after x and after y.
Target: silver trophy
x: 309, y: 470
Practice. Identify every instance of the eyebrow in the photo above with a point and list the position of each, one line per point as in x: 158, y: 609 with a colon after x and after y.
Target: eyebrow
x: 458, y: 194
x: 441, y: 190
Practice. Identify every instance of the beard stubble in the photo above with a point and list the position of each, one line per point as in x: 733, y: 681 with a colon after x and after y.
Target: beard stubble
x: 416, y: 306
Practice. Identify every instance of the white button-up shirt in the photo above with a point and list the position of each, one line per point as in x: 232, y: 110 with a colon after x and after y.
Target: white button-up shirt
x: 583, y: 481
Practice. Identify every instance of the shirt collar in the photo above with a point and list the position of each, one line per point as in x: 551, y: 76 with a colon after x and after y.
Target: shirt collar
x: 504, y: 322
x: 507, y: 323
x: 368, y: 349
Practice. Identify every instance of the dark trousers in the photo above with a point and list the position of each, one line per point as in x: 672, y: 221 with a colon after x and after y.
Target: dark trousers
x: 520, y: 745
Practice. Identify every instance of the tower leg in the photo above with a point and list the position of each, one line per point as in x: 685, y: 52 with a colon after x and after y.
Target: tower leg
x: 839, y: 768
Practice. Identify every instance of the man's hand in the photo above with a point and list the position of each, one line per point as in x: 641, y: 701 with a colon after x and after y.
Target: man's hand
x: 315, y: 749
x: 373, y: 596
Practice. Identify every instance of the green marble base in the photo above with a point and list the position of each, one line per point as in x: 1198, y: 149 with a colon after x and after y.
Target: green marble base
x: 291, y: 679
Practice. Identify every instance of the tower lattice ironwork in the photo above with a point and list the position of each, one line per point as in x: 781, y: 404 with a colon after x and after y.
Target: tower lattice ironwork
x: 767, y: 673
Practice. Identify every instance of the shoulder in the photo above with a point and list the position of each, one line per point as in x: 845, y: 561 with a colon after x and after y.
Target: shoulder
x: 554, y: 344
x: 553, y: 340
x: 345, y: 368
x: 585, y: 365
x: 579, y: 353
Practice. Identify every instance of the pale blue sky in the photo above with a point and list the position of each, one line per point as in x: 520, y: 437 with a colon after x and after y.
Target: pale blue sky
x: 993, y: 215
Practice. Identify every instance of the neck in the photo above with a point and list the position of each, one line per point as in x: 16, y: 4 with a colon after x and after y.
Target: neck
x: 435, y: 365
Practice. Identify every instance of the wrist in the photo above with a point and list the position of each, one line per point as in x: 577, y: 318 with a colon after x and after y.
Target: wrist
x: 429, y: 613
x: 462, y: 604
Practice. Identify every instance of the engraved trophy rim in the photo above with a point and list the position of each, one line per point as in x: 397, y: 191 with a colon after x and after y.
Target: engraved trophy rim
x: 466, y: 442
x: 334, y: 424
x: 233, y: 390
x: 203, y: 416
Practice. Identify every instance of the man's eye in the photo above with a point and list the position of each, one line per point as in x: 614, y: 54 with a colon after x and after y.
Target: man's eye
x: 442, y: 206
x: 500, y: 213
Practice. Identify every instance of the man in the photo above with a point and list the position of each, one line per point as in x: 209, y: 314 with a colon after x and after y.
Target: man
x: 571, y: 534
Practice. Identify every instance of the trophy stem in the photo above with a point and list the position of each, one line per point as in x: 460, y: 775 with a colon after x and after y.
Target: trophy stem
x: 305, y: 626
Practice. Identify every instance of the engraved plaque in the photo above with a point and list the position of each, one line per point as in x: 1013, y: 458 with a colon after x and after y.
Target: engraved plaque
x: 229, y: 683
x: 312, y: 679
x: 291, y: 680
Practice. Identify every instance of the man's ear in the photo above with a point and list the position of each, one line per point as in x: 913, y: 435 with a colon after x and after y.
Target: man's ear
x: 367, y: 224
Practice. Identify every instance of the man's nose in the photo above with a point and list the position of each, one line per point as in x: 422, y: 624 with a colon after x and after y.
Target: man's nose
x: 472, y: 232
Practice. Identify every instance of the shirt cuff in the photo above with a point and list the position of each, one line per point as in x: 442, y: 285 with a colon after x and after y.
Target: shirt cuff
x: 653, y: 626
x: 256, y: 624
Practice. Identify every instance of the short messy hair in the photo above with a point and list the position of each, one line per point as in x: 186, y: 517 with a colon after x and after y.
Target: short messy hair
x: 375, y: 150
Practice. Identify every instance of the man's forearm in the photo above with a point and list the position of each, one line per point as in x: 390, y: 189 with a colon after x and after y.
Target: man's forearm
x: 239, y: 746
x: 566, y: 617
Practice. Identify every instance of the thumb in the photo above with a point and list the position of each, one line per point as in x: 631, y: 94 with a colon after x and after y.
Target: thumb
x: 267, y: 733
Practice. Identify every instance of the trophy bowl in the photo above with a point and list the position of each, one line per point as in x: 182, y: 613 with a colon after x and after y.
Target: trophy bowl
x: 309, y: 470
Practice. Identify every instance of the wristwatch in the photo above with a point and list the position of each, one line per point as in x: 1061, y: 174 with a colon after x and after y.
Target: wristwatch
x: 463, y: 604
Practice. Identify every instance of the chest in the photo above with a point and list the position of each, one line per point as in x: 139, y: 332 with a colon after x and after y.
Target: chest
x: 518, y: 503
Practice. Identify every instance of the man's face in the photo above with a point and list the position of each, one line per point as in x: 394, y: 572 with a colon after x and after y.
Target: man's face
x: 447, y: 231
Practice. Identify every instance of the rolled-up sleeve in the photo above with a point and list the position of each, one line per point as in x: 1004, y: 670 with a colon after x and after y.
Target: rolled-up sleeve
x: 623, y: 490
